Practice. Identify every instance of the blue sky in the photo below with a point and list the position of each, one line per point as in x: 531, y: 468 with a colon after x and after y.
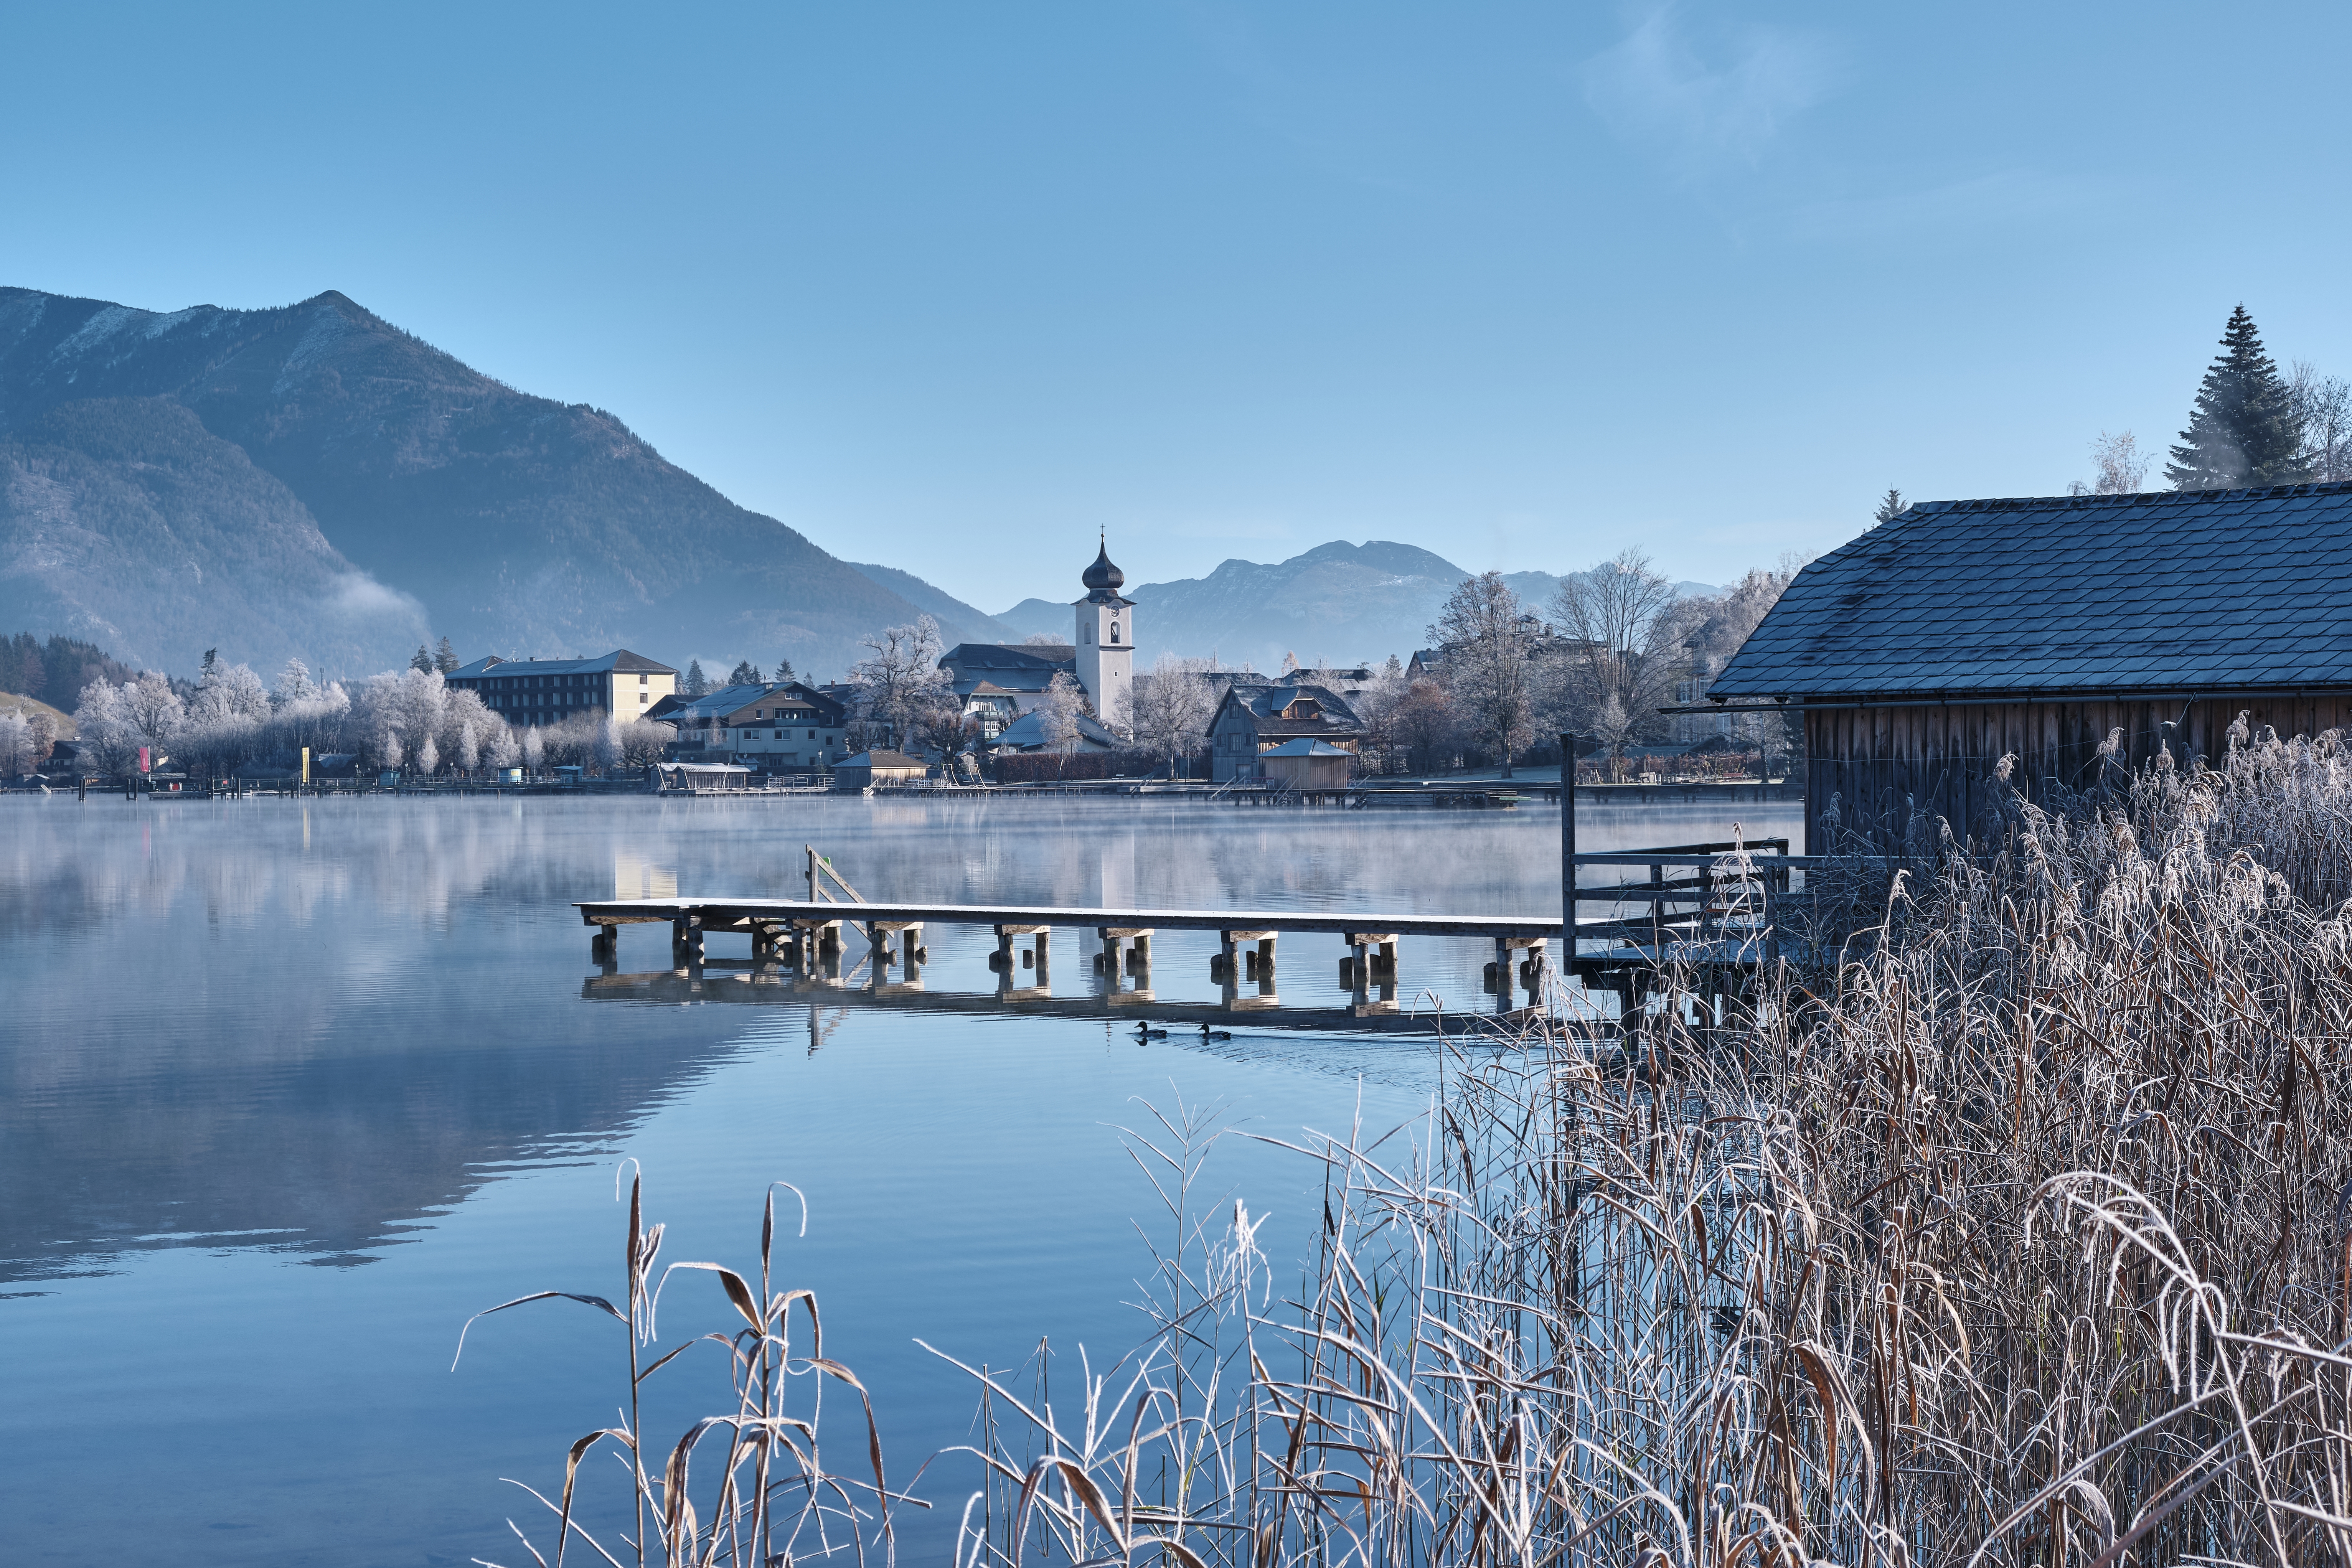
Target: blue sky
x: 953, y: 287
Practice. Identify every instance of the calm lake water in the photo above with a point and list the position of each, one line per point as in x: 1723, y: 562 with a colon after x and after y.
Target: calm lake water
x: 291, y: 1088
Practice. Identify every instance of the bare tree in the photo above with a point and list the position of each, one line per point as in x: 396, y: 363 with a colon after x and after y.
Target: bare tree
x: 1422, y: 722
x: 1486, y: 644
x: 1630, y: 630
x: 2321, y: 407
x: 1376, y: 705
x: 1170, y: 708
x: 902, y: 680
x: 2121, y: 469
x: 1045, y: 640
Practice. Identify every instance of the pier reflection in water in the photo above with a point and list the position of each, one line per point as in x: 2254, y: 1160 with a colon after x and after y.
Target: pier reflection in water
x: 290, y: 1088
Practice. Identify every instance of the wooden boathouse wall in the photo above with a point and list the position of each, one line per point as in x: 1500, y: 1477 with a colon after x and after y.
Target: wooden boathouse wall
x: 1886, y: 772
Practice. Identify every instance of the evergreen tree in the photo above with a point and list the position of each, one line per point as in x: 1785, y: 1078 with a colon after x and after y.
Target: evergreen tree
x: 1890, y: 506
x: 784, y: 670
x: 422, y: 659
x: 744, y: 674
x: 2242, y: 430
x: 697, y: 683
x: 444, y: 657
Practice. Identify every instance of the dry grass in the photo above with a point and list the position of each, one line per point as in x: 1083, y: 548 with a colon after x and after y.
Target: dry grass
x: 2021, y: 1239
x: 772, y: 1498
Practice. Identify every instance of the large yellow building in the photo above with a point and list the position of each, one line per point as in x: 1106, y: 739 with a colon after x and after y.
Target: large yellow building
x: 526, y: 691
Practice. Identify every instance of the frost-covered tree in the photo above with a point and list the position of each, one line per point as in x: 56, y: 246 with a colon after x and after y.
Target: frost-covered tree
x: 903, y: 682
x: 608, y: 745
x: 534, y: 749
x: 294, y: 684
x: 469, y: 748
x: 444, y: 657
x: 1058, y: 714
x: 506, y: 750
x: 429, y: 757
x: 1487, y: 642
x: 1168, y: 707
x: 15, y: 746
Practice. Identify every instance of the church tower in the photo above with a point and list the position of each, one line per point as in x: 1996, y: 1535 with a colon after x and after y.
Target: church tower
x: 1105, y: 638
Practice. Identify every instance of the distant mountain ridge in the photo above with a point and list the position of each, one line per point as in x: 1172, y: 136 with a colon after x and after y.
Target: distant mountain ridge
x: 313, y: 480
x: 1338, y: 604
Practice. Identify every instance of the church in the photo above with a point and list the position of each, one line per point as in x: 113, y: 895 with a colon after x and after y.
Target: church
x: 1000, y: 682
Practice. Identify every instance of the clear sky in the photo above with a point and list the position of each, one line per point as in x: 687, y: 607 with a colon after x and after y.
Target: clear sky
x: 950, y: 286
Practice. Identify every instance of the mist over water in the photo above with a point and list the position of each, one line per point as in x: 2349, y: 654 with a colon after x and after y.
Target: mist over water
x: 293, y: 1087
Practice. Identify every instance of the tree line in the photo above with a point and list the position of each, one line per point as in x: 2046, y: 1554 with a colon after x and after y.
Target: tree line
x: 410, y: 720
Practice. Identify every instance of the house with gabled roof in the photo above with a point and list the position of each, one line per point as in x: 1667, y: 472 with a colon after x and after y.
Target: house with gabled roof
x: 1251, y: 720
x: 777, y: 726
x: 1958, y: 634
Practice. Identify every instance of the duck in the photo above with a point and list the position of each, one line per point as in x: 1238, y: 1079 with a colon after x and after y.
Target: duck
x: 1146, y: 1032
x: 1209, y: 1034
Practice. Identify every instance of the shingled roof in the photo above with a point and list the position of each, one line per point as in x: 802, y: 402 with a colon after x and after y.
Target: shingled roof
x: 2171, y: 592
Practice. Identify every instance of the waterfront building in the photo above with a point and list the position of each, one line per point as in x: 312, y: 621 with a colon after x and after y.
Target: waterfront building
x: 525, y: 691
x: 868, y: 769
x: 1960, y: 633
x: 775, y: 726
x: 1250, y: 720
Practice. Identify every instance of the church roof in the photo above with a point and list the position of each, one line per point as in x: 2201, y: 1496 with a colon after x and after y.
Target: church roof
x: 1104, y: 580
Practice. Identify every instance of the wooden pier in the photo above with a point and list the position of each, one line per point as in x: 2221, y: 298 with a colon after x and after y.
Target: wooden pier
x: 818, y: 939
x: 1706, y: 919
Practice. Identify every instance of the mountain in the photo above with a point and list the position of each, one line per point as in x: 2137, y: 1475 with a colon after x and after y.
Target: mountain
x: 124, y: 521
x: 959, y: 621
x: 1339, y: 603
x: 312, y: 479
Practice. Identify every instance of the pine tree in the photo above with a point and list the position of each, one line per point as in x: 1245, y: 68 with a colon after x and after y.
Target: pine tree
x: 744, y: 674
x: 422, y: 659
x: 1890, y: 506
x: 697, y: 683
x: 444, y: 657
x: 2242, y: 430
x: 784, y: 670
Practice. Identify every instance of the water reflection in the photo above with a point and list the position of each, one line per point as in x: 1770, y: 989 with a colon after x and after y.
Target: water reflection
x: 312, y: 1025
x: 242, y: 1035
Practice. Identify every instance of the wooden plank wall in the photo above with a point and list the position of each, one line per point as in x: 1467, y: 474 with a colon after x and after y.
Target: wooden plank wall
x: 1894, y: 770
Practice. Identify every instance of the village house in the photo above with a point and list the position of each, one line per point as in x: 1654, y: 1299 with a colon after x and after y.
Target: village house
x: 528, y: 691
x: 776, y: 727
x: 1960, y: 633
x: 998, y: 683
x: 1253, y: 720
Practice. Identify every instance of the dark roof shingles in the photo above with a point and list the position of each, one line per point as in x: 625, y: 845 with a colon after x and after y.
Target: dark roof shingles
x: 2162, y: 591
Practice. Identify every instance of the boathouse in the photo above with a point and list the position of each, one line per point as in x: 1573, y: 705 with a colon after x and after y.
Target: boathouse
x: 1957, y: 633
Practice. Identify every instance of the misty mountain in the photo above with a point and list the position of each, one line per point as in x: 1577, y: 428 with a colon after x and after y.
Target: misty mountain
x: 125, y: 521
x: 1339, y: 603
x: 314, y: 479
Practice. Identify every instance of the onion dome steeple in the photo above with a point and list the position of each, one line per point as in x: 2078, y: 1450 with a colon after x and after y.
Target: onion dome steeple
x: 1102, y: 579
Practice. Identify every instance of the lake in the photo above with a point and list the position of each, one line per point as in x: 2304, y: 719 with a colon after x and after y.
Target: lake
x: 293, y: 1087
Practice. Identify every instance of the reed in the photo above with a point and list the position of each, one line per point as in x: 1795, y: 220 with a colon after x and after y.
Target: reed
x: 2022, y: 1237
x: 772, y: 1498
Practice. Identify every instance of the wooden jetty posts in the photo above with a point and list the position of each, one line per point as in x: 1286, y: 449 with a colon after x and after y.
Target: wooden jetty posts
x: 813, y: 937
x: 1706, y: 915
